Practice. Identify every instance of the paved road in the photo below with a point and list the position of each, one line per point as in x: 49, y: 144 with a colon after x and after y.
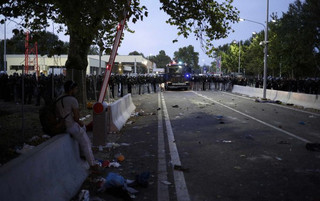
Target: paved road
x: 237, y: 149
x: 229, y: 148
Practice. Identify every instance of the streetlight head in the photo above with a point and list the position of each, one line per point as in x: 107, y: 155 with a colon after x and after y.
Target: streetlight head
x: 241, y: 19
x: 254, y: 33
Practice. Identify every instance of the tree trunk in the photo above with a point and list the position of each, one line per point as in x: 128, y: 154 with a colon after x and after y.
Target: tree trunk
x: 77, y: 64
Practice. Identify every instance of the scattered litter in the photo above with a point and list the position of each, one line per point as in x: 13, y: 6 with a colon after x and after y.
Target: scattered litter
x: 130, y: 122
x: 261, y: 100
x: 237, y: 167
x: 112, y: 145
x: 219, y: 117
x: 46, y: 136
x: 158, y: 108
x: 114, y: 164
x: 278, y: 102
x: 84, y: 195
x: 100, y: 148
x: 289, y: 104
x: 224, y: 141
x: 141, y: 113
x: 313, y: 146
x: 148, y: 133
x: 88, y: 116
x: 265, y: 157
x: 166, y: 182
x: 99, y: 163
x: 221, y: 122
x: 114, y: 180
x: 279, y: 159
x: 119, y: 157
x: 34, y: 138
x: 312, y: 116
x: 302, y: 123
x: 24, y: 149
x: 175, y: 106
x: 243, y: 156
x: 180, y: 114
x: 180, y: 168
x: 134, y: 114
x: 124, y: 144
x: 105, y: 164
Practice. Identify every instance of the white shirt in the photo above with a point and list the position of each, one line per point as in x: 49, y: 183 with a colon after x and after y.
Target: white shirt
x: 69, y: 103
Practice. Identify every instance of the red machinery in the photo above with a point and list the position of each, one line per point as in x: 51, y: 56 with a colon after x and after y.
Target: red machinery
x: 28, y: 51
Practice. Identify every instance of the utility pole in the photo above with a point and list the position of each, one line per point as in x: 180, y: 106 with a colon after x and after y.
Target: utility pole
x: 265, y: 54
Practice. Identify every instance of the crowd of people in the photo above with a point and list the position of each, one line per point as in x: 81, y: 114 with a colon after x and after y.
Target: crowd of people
x: 307, y: 85
x: 48, y: 87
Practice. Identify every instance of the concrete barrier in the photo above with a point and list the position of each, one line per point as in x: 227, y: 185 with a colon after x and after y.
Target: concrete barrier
x: 52, y: 171
x: 119, y: 112
x: 301, y: 99
x: 306, y: 100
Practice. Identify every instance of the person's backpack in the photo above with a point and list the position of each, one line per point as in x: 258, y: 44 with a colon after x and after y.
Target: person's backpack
x: 51, y: 123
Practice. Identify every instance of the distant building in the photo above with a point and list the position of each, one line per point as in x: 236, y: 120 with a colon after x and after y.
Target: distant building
x: 56, y: 64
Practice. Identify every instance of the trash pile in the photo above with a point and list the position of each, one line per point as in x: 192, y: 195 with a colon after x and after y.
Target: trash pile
x: 96, y: 187
x: 32, y: 142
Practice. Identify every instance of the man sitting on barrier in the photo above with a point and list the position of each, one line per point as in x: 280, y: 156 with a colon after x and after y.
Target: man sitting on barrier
x: 68, y: 107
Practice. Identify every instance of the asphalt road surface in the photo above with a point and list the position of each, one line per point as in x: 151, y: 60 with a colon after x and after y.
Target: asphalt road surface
x: 221, y: 146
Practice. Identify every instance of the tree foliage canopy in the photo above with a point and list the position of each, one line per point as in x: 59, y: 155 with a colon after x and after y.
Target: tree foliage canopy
x: 94, y: 21
x: 187, y: 55
x: 161, y: 60
x: 294, y: 45
x: 208, y: 20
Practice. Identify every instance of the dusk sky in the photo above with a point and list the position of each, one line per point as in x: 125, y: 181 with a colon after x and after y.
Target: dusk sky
x: 153, y: 34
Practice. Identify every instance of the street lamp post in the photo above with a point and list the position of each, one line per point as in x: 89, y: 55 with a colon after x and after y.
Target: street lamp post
x: 239, y: 58
x: 265, y: 42
x: 5, y: 46
x: 265, y: 54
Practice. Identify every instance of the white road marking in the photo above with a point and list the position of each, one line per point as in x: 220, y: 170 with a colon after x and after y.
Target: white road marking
x: 179, y: 180
x: 289, y: 108
x: 253, y: 118
x: 163, y: 192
